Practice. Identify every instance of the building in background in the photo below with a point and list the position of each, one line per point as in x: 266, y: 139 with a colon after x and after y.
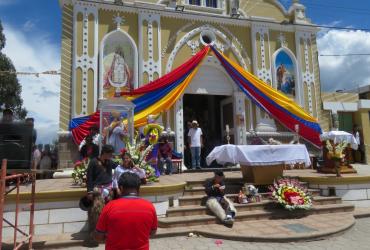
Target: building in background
x: 109, y: 46
x: 348, y: 109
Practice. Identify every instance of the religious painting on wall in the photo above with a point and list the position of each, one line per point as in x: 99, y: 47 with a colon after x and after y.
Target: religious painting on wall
x: 118, y: 65
x: 285, y: 73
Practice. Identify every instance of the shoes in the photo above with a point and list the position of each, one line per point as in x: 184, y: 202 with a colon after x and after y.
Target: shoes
x: 199, y: 167
x: 229, y: 220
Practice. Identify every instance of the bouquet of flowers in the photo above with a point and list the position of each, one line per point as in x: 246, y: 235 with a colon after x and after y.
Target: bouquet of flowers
x: 290, y: 194
x: 139, y: 153
x: 335, y: 151
x: 80, y: 171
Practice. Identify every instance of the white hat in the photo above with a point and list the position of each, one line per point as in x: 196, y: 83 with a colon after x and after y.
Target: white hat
x: 194, y: 121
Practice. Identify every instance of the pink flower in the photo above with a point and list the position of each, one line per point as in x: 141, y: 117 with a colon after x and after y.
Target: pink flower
x: 218, y: 242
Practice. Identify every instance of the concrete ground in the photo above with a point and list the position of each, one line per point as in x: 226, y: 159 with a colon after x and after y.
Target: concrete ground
x: 356, y: 238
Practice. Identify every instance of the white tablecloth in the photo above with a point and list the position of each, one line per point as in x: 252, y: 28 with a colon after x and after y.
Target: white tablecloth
x: 339, y: 136
x: 252, y: 155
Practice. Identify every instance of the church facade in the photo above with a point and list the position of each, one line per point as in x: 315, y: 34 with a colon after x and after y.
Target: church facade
x: 110, y: 45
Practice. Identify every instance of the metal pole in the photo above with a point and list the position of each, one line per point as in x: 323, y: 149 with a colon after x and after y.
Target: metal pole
x: 16, y: 214
x: 2, y: 198
x: 32, y: 210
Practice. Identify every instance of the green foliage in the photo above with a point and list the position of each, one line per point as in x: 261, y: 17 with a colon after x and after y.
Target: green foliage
x: 10, y: 89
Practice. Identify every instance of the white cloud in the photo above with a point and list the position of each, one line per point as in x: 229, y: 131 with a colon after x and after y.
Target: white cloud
x: 35, y: 53
x: 29, y: 25
x: 344, y: 72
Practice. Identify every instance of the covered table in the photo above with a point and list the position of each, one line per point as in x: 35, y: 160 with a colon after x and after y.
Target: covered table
x: 340, y: 136
x: 260, y: 164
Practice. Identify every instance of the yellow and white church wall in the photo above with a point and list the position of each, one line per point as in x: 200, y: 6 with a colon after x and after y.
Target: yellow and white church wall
x: 152, y: 39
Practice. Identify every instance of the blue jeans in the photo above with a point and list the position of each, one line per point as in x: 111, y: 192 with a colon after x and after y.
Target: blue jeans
x: 195, y: 157
x: 166, y: 161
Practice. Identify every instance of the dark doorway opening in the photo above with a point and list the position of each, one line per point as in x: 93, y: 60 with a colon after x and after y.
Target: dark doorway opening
x: 206, y: 110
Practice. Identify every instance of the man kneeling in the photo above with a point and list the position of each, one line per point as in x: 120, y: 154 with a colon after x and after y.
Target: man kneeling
x: 217, y: 202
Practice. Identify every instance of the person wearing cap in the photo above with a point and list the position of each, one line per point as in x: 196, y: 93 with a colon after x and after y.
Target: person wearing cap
x: 217, y: 202
x: 195, y: 142
x: 165, y: 156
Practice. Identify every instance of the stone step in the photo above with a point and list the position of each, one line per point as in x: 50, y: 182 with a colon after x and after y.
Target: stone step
x: 235, y: 181
x: 201, y: 191
x: 277, y: 213
x: 199, y: 197
x: 264, y: 204
x: 228, y: 181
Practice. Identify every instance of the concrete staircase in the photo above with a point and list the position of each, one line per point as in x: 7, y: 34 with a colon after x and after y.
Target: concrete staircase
x: 192, y: 211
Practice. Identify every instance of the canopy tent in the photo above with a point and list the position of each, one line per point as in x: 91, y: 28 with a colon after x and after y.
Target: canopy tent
x: 161, y: 95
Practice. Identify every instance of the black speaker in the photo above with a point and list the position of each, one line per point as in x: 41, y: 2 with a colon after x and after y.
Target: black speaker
x: 16, y: 145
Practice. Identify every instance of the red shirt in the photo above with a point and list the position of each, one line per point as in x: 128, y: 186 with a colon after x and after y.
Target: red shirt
x: 127, y: 223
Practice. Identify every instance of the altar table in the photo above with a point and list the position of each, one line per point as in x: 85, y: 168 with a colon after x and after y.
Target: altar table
x: 260, y: 164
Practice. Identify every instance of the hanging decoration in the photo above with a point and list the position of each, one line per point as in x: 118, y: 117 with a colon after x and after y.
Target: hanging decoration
x: 161, y: 94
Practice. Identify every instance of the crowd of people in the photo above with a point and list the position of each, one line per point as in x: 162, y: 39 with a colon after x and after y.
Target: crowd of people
x: 43, y: 157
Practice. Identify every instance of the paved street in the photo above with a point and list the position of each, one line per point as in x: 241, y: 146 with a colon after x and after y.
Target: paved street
x: 356, y: 239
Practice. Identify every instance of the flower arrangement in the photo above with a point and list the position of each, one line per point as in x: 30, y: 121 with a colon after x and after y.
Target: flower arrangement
x: 335, y: 151
x: 139, y: 153
x: 80, y: 171
x: 290, y: 194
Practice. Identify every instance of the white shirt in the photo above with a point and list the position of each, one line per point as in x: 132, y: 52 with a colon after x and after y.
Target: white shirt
x: 96, y: 140
x: 195, y: 134
x: 120, y: 170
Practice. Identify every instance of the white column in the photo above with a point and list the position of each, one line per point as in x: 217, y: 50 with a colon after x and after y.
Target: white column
x: 239, y: 120
x: 179, y: 126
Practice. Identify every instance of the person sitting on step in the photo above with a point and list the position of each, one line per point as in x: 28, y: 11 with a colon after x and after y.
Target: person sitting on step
x: 217, y: 202
x: 164, y: 156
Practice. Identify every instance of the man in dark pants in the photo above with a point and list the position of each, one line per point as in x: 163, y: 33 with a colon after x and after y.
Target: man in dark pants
x: 99, y: 183
x: 127, y: 222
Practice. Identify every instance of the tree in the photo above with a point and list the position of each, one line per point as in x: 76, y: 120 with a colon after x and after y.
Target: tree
x: 10, y: 89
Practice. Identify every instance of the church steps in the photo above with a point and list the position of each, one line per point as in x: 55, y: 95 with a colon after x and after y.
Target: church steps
x: 264, y: 204
x: 201, y: 191
x: 277, y: 213
x: 200, y: 198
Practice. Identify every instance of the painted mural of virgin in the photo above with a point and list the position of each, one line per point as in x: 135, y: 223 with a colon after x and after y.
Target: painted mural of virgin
x: 118, y: 65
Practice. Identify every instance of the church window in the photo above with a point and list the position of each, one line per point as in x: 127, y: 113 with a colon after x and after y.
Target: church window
x: 211, y: 3
x: 195, y: 2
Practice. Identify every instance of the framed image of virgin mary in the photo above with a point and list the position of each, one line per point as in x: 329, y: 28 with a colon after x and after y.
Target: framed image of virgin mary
x: 118, y: 64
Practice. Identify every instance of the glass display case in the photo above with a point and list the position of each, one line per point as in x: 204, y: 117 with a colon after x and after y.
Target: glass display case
x: 116, y: 122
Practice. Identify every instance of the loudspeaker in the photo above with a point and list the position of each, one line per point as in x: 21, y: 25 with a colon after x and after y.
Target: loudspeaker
x: 16, y: 145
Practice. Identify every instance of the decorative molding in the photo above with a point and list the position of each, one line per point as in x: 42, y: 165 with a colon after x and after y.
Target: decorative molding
x: 306, y: 75
x: 179, y: 124
x: 282, y: 40
x: 239, y: 118
x: 84, y: 62
x: 150, y: 66
x: 195, y: 31
x: 263, y: 73
x: 172, y: 40
x: 194, y: 45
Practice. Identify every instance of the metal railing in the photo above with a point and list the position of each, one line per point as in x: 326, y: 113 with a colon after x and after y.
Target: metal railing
x: 16, y: 178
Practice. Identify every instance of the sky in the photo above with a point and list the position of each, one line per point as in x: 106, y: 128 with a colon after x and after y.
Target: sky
x: 33, y: 32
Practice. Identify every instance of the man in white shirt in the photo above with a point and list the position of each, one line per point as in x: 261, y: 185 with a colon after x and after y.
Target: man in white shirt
x: 195, y: 143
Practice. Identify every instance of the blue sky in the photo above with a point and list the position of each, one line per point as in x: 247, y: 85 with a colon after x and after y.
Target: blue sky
x: 33, y: 31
